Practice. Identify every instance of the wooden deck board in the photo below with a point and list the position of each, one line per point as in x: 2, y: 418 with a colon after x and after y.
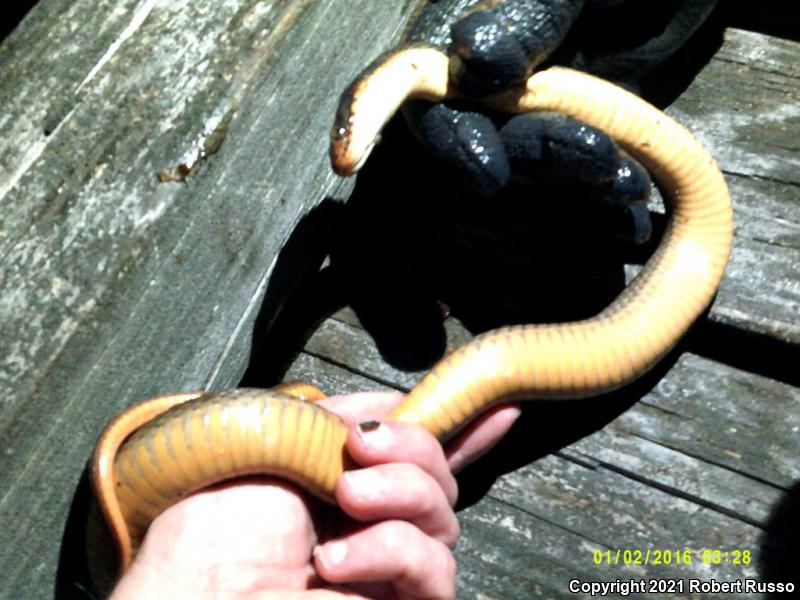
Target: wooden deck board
x: 745, y: 106
x: 639, y: 482
x: 115, y: 286
x: 707, y: 457
x: 678, y: 414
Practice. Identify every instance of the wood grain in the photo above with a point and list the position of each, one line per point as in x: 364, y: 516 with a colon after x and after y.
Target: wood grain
x: 115, y: 286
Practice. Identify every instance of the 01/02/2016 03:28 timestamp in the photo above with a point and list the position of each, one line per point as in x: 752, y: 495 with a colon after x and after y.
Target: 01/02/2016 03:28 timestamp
x: 669, y: 557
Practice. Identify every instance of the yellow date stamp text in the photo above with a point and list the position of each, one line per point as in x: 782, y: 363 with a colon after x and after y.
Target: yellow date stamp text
x: 671, y: 556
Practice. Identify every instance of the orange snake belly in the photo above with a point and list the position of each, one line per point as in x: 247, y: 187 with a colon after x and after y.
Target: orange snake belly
x: 165, y: 448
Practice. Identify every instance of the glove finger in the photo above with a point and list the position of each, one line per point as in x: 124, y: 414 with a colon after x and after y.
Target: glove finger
x: 465, y: 142
x: 548, y: 143
x: 494, y: 49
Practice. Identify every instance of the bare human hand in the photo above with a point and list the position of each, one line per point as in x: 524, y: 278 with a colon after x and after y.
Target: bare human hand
x: 260, y: 538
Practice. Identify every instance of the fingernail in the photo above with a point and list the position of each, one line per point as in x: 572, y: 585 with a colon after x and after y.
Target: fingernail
x: 366, y: 484
x: 375, y: 435
x: 331, y: 554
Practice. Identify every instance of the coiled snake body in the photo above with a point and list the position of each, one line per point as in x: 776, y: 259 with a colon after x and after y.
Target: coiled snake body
x: 183, y: 442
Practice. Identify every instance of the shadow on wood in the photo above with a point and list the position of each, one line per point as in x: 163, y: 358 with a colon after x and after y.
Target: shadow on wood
x: 295, y: 305
x: 776, y: 18
x: 747, y: 350
x: 13, y: 14
x: 72, y: 578
x: 409, y: 243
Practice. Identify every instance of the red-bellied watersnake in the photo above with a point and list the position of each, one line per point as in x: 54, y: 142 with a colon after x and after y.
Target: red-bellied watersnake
x: 159, y: 451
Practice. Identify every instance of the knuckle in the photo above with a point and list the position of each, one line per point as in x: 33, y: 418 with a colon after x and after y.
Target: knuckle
x: 451, y: 533
x: 425, y: 441
x: 399, y: 535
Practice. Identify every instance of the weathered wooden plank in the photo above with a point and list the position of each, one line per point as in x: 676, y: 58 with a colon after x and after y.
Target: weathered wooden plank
x: 725, y: 416
x: 745, y: 106
x: 674, y: 470
x: 713, y: 443
x: 117, y: 286
x: 766, y: 53
x: 332, y: 378
x: 707, y: 457
x: 606, y: 510
x: 706, y: 411
x: 538, y: 526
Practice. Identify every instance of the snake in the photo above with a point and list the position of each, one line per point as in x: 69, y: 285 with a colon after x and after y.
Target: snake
x: 165, y: 448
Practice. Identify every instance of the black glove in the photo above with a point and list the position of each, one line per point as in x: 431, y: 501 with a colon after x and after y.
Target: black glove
x: 495, y: 45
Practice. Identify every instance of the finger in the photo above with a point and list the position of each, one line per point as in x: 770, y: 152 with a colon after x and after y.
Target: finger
x: 631, y: 183
x: 548, y: 143
x: 355, y: 408
x: 466, y: 143
x: 373, y: 443
x: 328, y: 594
x: 480, y: 435
x: 630, y: 222
x: 399, y: 491
x: 485, y: 56
x: 494, y: 49
x: 393, y: 552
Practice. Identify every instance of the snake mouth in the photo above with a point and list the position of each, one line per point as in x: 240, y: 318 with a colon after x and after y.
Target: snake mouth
x: 375, y: 96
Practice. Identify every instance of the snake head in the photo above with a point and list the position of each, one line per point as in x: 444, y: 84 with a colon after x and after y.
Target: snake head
x: 370, y: 101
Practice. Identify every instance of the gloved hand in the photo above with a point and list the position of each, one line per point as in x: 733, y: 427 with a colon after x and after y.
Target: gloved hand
x: 495, y: 45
